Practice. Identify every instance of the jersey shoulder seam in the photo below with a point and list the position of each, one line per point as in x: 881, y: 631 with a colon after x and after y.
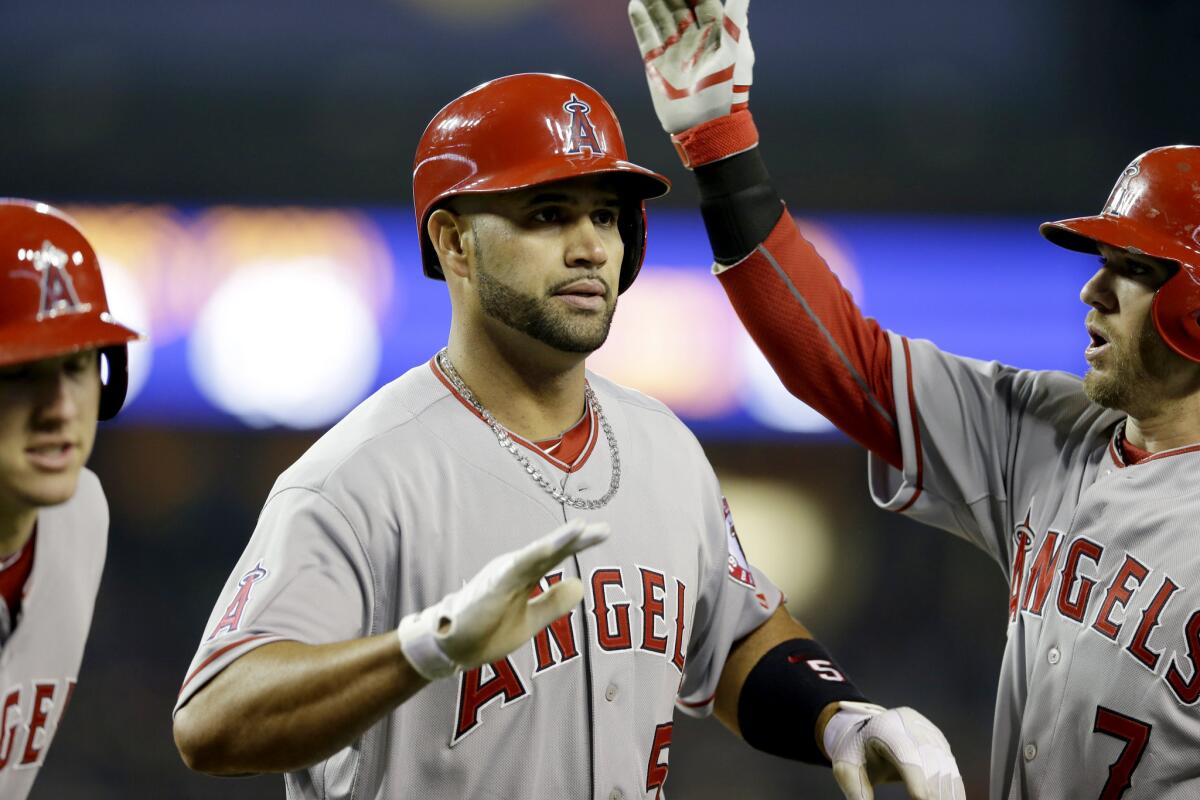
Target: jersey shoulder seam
x: 320, y: 483
x: 320, y: 493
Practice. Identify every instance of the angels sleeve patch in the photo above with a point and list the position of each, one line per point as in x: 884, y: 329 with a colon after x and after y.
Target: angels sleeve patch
x: 232, y: 618
x: 739, y: 566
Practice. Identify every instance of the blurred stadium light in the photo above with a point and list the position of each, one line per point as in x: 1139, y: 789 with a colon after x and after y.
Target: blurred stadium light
x: 285, y: 343
x: 290, y: 316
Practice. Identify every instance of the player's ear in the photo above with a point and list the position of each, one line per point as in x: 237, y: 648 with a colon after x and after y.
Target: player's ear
x: 447, y: 231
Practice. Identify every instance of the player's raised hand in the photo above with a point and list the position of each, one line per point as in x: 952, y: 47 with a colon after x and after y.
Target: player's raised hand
x: 492, y: 615
x: 869, y: 745
x: 698, y: 58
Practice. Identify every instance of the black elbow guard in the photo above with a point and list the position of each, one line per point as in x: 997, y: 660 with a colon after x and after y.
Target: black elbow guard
x: 738, y: 203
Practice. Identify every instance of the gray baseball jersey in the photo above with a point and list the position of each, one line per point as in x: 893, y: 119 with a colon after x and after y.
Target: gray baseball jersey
x: 1101, y: 675
x: 39, y: 663
x: 407, y: 498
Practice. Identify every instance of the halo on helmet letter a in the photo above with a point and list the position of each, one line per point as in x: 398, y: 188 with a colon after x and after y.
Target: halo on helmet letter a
x: 581, y: 134
x: 1121, y: 200
x: 58, y: 295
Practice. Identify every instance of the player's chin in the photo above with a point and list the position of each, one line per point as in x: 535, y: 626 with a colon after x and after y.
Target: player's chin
x: 41, y: 490
x: 584, y: 330
x: 1103, y: 388
x: 581, y: 338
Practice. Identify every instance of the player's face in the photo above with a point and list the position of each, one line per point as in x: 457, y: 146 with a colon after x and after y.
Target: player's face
x: 48, y: 414
x: 547, y: 261
x: 1132, y: 369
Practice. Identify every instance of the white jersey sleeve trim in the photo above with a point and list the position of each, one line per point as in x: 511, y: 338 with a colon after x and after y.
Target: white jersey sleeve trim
x: 894, y: 490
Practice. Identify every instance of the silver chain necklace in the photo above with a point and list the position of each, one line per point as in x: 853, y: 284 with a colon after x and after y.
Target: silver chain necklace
x: 506, y: 441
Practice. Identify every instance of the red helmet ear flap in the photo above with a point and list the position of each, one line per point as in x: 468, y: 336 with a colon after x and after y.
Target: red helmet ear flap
x: 1176, y: 312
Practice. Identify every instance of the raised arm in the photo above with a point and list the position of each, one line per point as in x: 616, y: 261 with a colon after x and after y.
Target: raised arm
x: 286, y: 705
x: 699, y: 66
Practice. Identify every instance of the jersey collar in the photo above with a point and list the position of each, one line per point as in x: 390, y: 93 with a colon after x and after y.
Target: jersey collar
x: 567, y: 453
x: 1118, y: 447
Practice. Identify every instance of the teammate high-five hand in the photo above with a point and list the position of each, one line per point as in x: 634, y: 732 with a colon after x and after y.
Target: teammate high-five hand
x: 869, y: 744
x: 699, y: 65
x: 493, y: 614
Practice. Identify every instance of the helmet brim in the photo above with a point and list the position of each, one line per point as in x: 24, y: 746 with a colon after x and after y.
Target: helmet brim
x: 1084, y: 234
x: 32, y: 341
x: 637, y: 184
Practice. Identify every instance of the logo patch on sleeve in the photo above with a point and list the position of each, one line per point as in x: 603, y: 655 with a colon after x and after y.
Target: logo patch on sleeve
x: 739, y: 566
x: 232, y: 618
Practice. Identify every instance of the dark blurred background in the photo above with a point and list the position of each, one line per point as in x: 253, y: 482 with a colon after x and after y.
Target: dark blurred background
x: 988, y: 106
x: 995, y: 107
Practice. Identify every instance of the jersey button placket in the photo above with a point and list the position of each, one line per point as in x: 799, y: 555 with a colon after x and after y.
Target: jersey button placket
x: 1054, y: 656
x: 616, y: 794
x: 1030, y: 751
x: 611, y: 692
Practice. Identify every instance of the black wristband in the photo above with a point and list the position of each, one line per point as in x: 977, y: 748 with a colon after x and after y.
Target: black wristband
x: 738, y: 203
x: 783, y: 696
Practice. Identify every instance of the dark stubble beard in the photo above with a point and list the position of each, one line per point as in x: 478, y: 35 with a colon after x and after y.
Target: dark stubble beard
x: 543, y: 318
x: 1135, y: 376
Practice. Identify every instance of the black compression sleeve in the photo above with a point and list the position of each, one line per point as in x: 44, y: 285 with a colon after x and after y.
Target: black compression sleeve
x: 784, y: 694
x: 738, y: 203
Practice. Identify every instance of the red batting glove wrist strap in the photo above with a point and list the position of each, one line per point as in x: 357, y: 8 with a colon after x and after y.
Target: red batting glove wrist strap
x: 716, y: 139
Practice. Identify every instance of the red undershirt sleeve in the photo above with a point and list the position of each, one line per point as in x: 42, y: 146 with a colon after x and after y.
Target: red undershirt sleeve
x: 814, y: 336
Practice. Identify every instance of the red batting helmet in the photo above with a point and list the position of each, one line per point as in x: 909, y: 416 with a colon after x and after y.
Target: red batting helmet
x: 52, y: 299
x: 522, y: 131
x: 1153, y: 210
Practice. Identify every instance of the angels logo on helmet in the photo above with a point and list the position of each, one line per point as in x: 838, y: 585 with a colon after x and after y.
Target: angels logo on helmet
x: 582, y: 135
x: 58, y: 290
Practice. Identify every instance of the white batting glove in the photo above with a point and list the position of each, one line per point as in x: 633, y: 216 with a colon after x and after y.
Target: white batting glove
x: 493, y: 614
x: 869, y: 745
x: 698, y: 58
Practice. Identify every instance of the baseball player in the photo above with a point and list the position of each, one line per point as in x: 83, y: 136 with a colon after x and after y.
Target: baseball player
x: 55, y: 330
x: 1080, y: 489
x: 400, y: 624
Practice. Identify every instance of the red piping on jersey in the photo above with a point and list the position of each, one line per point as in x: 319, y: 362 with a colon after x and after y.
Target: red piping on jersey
x: 1191, y: 448
x: 588, y: 419
x: 218, y: 654
x: 575, y: 445
x: 699, y: 704
x: 912, y: 413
